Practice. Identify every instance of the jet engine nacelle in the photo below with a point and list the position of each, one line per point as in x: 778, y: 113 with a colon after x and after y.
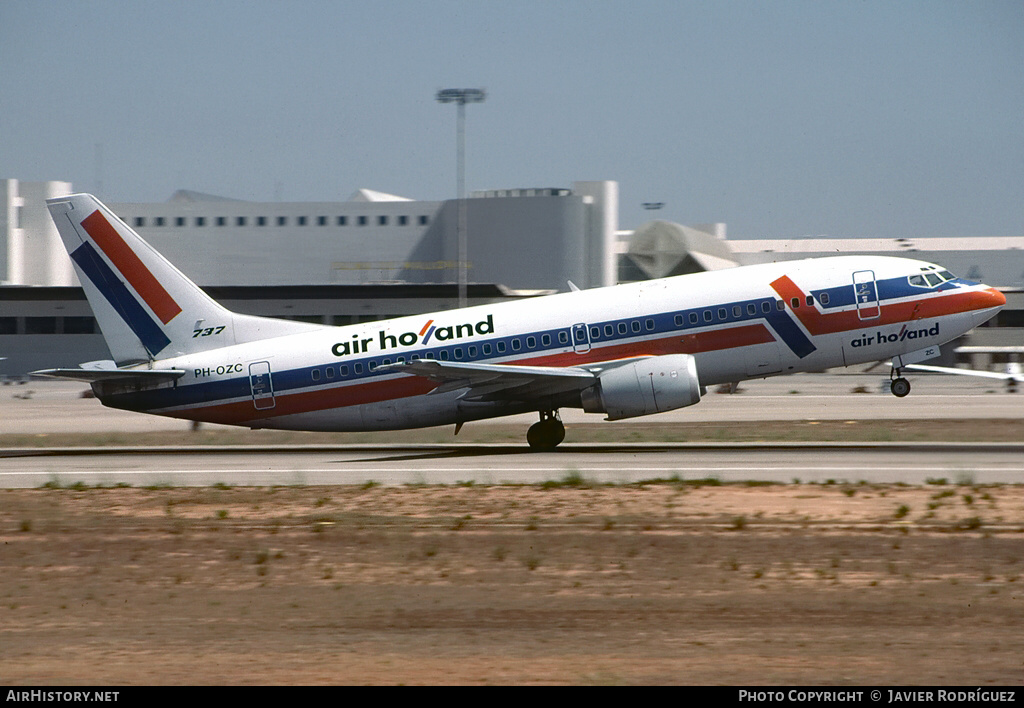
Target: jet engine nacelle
x: 654, y: 385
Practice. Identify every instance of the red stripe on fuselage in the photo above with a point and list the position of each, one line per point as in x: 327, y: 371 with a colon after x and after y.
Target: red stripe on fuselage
x: 243, y: 412
x: 129, y: 265
x: 931, y: 305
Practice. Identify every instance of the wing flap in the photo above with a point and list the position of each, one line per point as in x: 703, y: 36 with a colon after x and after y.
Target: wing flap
x: 488, y: 382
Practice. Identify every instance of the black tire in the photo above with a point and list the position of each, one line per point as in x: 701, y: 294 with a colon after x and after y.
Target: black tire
x: 545, y: 435
x: 900, y: 387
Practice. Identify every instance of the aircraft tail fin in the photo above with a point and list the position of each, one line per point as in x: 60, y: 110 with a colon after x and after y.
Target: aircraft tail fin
x: 146, y: 308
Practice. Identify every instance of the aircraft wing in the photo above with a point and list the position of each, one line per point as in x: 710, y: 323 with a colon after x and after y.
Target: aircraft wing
x: 490, y: 382
x: 966, y: 372
x: 127, y: 376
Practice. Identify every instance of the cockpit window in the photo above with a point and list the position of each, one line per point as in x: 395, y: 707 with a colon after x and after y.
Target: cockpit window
x: 931, y: 278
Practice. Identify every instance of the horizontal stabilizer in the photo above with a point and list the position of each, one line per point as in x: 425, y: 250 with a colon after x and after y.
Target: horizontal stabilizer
x: 126, y: 376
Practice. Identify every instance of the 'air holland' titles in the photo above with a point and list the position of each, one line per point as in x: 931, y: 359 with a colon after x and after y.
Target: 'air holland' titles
x: 880, y: 337
x: 429, y: 332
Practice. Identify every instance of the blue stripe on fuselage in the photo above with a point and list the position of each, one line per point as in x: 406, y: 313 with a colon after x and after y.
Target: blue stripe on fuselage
x: 665, y: 323
x: 787, y: 328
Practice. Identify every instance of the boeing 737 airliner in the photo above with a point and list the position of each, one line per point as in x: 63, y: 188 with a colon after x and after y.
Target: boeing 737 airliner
x: 625, y: 351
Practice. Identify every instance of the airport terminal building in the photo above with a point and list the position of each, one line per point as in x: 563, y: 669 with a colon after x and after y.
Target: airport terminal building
x: 378, y: 255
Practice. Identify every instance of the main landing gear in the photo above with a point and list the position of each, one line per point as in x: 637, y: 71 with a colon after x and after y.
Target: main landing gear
x: 899, y: 386
x: 547, y: 433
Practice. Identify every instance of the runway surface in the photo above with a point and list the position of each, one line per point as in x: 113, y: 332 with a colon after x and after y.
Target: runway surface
x: 58, y: 407
x: 500, y: 464
x: 55, y: 407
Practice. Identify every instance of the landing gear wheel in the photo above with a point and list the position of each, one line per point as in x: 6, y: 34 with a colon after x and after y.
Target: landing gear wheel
x: 547, y: 433
x: 900, y: 387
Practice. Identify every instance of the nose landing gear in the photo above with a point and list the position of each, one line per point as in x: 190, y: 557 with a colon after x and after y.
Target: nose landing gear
x: 899, y: 386
x: 547, y: 433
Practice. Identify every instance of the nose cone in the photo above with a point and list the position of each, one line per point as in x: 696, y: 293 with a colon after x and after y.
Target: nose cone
x: 995, y: 298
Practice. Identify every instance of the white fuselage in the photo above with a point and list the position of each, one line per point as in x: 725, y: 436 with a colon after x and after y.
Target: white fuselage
x: 738, y: 324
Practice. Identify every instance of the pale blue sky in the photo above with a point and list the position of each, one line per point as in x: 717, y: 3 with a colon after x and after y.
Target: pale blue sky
x: 782, y: 119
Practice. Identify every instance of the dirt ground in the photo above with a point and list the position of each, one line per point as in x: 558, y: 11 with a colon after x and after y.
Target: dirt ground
x: 567, y: 583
